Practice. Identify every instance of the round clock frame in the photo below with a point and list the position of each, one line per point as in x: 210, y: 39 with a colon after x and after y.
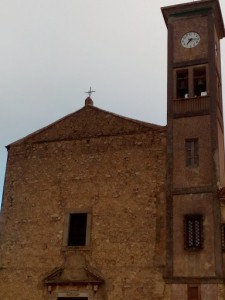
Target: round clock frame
x: 190, y: 39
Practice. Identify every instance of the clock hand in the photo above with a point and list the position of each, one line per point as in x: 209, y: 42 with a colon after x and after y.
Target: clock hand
x: 189, y: 40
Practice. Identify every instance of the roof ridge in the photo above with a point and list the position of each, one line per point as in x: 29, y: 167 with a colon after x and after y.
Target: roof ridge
x: 142, y: 123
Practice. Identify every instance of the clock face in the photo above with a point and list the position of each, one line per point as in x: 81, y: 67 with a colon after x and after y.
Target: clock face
x: 190, y: 39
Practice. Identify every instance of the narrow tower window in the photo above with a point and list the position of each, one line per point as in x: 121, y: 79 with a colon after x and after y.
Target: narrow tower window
x: 72, y: 298
x: 223, y: 236
x: 193, y: 232
x: 193, y: 292
x: 182, y: 83
x: 200, y: 88
x: 192, y: 158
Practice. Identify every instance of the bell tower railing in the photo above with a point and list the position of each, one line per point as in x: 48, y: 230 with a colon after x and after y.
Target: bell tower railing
x: 191, y: 105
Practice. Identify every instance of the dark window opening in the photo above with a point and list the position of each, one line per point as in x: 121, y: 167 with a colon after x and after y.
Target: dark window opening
x: 193, y: 232
x: 223, y: 236
x: 193, y: 293
x: 200, y: 88
x: 219, y: 90
x: 192, y: 158
x: 72, y: 298
x: 77, y: 229
x: 191, y: 82
x: 182, y: 83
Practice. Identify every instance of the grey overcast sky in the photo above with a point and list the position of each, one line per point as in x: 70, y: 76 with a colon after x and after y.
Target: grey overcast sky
x: 52, y: 51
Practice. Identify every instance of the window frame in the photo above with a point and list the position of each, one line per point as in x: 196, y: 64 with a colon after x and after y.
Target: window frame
x: 68, y: 214
x: 72, y: 298
x: 191, y: 286
x: 199, y: 76
x: 190, y: 70
x: 223, y: 236
x: 182, y: 79
x: 192, y: 152
x: 196, y: 237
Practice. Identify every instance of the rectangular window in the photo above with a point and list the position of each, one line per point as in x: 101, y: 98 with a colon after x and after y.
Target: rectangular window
x: 77, y: 229
x: 223, y: 236
x: 199, y: 78
x: 193, y: 232
x: 72, y: 298
x: 182, y: 83
x: 191, y: 147
x: 191, y: 82
x: 193, y: 292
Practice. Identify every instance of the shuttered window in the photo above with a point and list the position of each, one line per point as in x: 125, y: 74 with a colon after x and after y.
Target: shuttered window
x: 191, y: 148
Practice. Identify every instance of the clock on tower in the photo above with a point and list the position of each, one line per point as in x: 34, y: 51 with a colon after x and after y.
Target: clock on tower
x: 195, y: 151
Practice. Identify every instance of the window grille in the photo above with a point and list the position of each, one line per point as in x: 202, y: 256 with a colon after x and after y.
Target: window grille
x: 193, y: 232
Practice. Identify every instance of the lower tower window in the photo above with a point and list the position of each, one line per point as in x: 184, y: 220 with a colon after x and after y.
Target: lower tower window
x: 223, y: 237
x: 72, y: 298
x: 193, y: 292
x: 192, y: 157
x: 193, y: 232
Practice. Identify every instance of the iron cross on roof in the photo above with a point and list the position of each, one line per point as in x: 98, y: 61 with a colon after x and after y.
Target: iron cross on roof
x: 90, y: 92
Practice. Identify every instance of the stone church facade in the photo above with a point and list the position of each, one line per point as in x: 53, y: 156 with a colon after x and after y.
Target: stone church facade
x: 90, y: 162
x: 99, y: 206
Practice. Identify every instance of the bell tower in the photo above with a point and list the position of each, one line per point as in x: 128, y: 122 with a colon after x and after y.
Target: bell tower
x: 195, y: 150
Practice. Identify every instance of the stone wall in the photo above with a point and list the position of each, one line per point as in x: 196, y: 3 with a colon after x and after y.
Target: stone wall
x: 120, y: 179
